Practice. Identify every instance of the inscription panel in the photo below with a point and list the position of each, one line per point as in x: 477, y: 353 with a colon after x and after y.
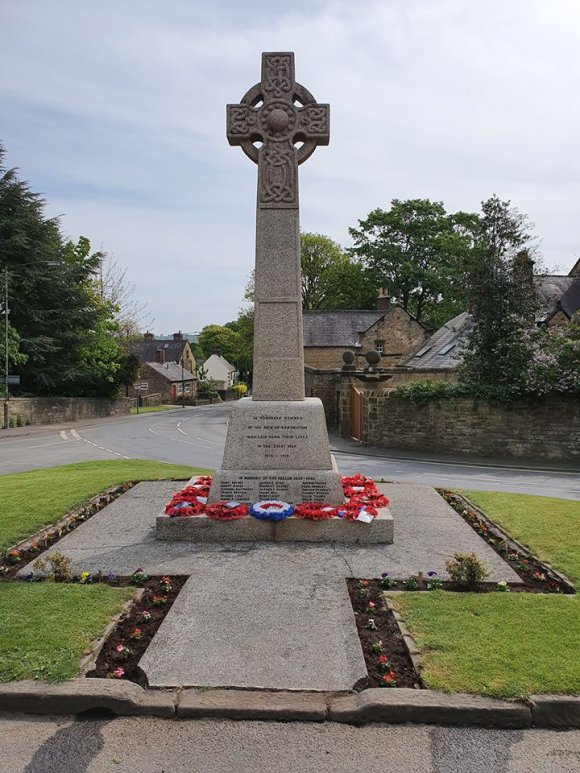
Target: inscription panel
x: 293, y: 487
x: 269, y: 435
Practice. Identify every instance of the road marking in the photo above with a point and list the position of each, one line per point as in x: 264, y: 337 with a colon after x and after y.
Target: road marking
x: 63, y: 434
x: 55, y: 443
x: 102, y: 448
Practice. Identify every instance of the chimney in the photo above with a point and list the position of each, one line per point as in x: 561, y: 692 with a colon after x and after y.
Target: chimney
x: 160, y: 356
x: 148, y: 336
x: 524, y: 267
x: 178, y: 336
x: 383, y: 299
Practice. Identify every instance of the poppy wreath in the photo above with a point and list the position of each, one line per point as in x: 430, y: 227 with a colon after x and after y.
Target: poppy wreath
x: 226, y: 511
x: 189, y: 493
x: 353, y: 509
x: 271, y: 510
x: 315, y: 511
x: 374, y: 498
x: 185, y: 508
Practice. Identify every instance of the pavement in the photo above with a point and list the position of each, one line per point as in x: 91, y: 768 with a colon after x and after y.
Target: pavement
x: 266, y: 615
x: 54, y: 744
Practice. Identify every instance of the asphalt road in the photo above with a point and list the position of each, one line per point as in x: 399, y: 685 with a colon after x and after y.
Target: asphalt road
x: 150, y: 745
x: 196, y: 436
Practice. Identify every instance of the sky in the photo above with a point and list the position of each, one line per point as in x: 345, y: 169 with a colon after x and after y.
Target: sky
x: 115, y: 111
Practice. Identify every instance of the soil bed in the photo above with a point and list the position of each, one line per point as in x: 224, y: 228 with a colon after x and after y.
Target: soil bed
x: 124, y: 633
x: 387, y: 635
x: 537, y: 577
x: 12, y: 560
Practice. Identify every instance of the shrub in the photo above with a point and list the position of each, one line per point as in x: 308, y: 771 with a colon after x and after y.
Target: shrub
x: 466, y: 570
x: 56, y: 566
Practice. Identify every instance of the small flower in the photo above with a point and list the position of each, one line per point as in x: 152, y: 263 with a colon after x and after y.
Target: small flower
x: 377, y: 646
x: 146, y: 615
x: 384, y: 574
x: 136, y: 634
x: 371, y: 624
x: 363, y: 583
x: 503, y: 586
x: 110, y: 577
x: 123, y: 652
x: 84, y: 577
x: 431, y: 574
x: 118, y: 673
x: 389, y: 680
x: 158, y: 601
x: 371, y: 606
x: 13, y: 556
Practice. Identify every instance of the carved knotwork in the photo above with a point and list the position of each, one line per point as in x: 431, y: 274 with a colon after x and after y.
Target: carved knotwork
x: 278, y: 123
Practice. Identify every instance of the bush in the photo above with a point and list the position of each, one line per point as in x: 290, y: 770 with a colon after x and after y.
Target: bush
x: 59, y: 564
x: 466, y: 570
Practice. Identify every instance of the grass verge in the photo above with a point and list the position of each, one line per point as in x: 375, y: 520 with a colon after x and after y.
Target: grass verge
x: 47, y: 627
x: 496, y: 644
x: 548, y: 526
x: 31, y: 500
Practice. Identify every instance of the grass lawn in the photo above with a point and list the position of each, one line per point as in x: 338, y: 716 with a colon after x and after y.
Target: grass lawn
x: 46, y: 627
x: 154, y: 409
x: 31, y: 500
x: 497, y: 644
x: 549, y: 527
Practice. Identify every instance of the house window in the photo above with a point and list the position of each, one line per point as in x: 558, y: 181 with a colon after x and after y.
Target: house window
x: 143, y: 386
x: 178, y: 389
x: 380, y: 346
x: 447, y: 348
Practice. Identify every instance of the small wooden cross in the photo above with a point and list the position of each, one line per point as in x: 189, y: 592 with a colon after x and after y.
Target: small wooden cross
x: 279, y: 113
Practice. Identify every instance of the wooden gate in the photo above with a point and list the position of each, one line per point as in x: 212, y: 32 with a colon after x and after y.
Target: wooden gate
x: 356, y: 412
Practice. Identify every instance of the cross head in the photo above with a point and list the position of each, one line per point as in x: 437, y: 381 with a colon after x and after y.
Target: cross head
x: 280, y: 114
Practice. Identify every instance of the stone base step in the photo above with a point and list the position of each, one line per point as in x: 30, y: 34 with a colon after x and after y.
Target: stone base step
x: 200, y: 528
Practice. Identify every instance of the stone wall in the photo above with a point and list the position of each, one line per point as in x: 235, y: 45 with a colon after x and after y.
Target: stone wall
x: 324, y: 384
x: 324, y: 357
x: 56, y: 410
x: 548, y: 429
x: 397, y: 332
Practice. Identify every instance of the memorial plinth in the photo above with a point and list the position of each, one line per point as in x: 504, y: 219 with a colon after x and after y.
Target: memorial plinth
x: 277, y: 450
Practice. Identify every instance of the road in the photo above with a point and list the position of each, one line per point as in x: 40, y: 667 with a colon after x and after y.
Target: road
x: 150, y: 745
x: 196, y: 436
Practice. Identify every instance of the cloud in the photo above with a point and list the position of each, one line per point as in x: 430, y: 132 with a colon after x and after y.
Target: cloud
x: 116, y: 111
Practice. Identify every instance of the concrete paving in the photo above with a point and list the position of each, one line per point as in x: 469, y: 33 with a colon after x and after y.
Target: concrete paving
x: 121, y: 538
x: 266, y: 615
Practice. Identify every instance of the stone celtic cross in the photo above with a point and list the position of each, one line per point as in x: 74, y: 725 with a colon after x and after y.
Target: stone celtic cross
x: 283, y: 116
x: 279, y: 113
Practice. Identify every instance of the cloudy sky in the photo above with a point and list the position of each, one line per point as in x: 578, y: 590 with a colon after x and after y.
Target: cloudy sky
x: 115, y: 111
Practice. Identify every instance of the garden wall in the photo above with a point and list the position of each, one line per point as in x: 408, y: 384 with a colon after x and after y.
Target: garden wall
x: 56, y: 410
x: 547, y: 429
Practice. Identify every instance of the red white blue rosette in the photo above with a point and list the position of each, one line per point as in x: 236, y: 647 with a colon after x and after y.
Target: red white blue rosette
x: 271, y: 510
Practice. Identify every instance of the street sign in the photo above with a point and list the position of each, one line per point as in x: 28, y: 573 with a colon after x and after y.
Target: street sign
x: 14, y: 380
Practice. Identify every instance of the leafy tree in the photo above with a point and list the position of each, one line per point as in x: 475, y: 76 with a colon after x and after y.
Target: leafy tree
x: 66, y: 329
x: 330, y: 278
x: 220, y: 337
x: 243, y: 326
x: 417, y: 250
x: 500, y: 286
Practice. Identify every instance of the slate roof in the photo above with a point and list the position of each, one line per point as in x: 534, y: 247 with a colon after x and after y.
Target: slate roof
x: 172, y: 371
x: 442, y: 349
x: 337, y: 328
x: 559, y: 292
x: 145, y: 350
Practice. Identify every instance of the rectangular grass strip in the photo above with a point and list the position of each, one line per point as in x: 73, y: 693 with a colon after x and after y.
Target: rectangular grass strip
x: 498, y: 644
x: 46, y: 627
x: 548, y: 526
x: 31, y: 500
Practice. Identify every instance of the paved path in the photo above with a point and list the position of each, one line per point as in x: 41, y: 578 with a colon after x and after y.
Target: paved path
x: 196, y: 435
x: 267, y: 615
x: 148, y: 745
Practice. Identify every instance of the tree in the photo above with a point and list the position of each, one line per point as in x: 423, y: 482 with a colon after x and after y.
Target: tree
x: 500, y: 287
x: 66, y: 329
x: 243, y: 326
x: 417, y: 250
x: 330, y: 278
x: 225, y: 339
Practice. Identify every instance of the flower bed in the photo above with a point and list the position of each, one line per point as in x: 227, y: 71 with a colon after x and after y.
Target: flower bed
x: 386, y: 655
x: 362, y: 502
x: 29, y: 549
x: 534, y: 573
x: 125, y: 645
